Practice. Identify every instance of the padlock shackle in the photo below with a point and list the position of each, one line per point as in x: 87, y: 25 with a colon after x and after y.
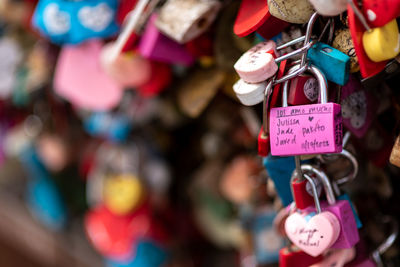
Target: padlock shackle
x: 350, y: 177
x: 310, y: 26
x: 376, y: 254
x: 267, y: 96
x: 322, y: 83
x: 330, y: 195
x: 313, y: 188
x: 302, y: 50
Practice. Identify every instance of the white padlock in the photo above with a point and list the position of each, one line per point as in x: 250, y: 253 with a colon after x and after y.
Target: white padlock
x: 329, y: 7
x: 249, y: 94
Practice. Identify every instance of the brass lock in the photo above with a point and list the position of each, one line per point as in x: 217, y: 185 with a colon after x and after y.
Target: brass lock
x: 344, y: 43
x: 395, y: 155
x: 293, y: 11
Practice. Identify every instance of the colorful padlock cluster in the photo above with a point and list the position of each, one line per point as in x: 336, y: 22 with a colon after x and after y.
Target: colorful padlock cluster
x: 244, y: 133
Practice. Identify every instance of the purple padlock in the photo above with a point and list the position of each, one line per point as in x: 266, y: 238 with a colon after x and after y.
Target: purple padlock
x: 349, y: 235
x: 306, y: 129
x: 156, y: 46
x: 358, y: 107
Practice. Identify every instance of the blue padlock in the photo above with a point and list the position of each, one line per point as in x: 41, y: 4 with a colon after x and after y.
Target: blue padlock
x: 32, y: 164
x: 147, y: 254
x: 43, y: 197
x: 115, y: 127
x: 267, y: 242
x: 45, y: 202
x: 72, y: 22
x: 280, y: 171
x: 333, y: 63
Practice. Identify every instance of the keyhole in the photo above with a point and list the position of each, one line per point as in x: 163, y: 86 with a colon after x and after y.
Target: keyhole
x: 327, y: 49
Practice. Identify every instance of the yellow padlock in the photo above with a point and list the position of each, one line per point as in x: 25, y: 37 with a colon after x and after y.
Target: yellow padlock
x: 122, y: 193
x: 382, y: 43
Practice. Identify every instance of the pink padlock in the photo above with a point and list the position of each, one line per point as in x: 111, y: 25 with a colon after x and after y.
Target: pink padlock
x: 313, y: 232
x: 349, y: 235
x: 156, y: 46
x: 306, y: 129
x: 358, y: 107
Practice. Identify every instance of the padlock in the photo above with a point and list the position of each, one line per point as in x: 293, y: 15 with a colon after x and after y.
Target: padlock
x: 382, y: 43
x: 123, y: 193
x: 333, y: 63
x: 184, y: 20
x: 145, y: 253
x: 380, y: 12
x: 115, y: 127
x: 293, y: 11
x: 249, y: 94
x: 329, y: 7
x: 292, y: 256
x: 306, y: 129
x: 155, y: 46
x: 314, y: 233
x: 368, y: 68
x: 257, y: 65
x: 358, y: 107
x: 303, y: 90
x: 83, y: 82
x: 395, y: 155
x: 337, y: 258
x: 349, y: 235
x: 42, y: 194
x: 128, y: 69
x: 280, y: 170
x: 261, y: 61
x: 267, y: 242
x: 253, y: 16
x: 263, y: 136
x: 344, y: 43
x: 73, y: 22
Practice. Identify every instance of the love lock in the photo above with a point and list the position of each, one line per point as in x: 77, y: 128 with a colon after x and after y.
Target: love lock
x: 293, y: 11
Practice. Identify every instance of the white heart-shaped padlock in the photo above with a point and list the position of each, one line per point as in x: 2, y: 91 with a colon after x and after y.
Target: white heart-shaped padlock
x: 249, y: 94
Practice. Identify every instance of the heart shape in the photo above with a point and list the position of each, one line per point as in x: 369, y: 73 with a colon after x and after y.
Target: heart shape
x: 55, y: 20
x: 80, y: 79
x: 310, y: 118
x: 96, y: 18
x: 314, y: 236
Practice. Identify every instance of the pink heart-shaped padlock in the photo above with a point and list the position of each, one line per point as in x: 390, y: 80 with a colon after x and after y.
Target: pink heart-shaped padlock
x: 257, y: 64
x: 80, y: 79
x: 314, y: 236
